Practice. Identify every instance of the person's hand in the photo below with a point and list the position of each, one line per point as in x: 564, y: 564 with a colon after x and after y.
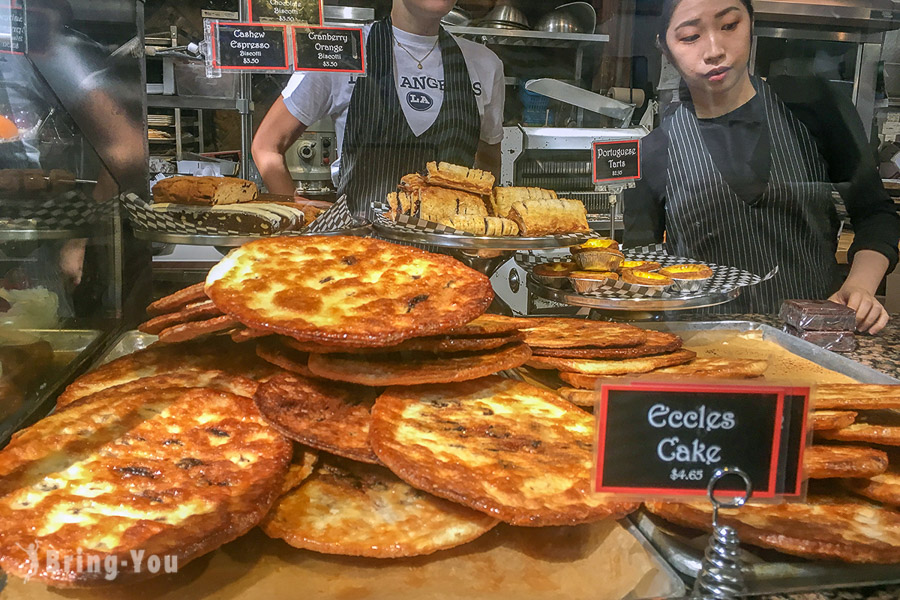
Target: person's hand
x: 871, y: 317
x: 71, y: 260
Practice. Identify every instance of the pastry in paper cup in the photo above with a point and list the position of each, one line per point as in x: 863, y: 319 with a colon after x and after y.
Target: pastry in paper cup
x: 650, y: 279
x: 688, y: 277
x: 599, y: 259
x: 641, y: 265
x: 555, y: 274
x: 591, y: 282
x: 595, y: 244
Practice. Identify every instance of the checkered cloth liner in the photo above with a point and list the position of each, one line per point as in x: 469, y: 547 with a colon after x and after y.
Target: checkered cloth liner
x: 724, y: 279
x: 334, y: 219
x: 72, y: 210
x: 410, y: 222
x: 143, y: 217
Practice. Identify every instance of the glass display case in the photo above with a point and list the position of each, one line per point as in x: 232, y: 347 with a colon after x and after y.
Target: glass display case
x: 72, y: 141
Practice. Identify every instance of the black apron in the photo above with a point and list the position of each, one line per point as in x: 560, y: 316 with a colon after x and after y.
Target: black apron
x: 379, y: 146
x: 793, y: 224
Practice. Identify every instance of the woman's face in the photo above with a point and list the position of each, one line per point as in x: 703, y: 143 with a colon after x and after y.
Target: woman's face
x: 709, y: 43
x: 426, y: 9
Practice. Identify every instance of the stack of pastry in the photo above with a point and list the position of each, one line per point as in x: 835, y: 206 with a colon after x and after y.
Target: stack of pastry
x: 229, y: 204
x: 578, y: 355
x: 466, y: 199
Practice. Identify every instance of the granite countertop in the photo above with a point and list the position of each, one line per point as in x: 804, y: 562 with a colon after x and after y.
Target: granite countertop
x: 880, y: 352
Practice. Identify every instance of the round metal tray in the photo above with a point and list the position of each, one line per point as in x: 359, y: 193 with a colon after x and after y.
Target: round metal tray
x: 472, y: 242
x: 232, y: 241
x: 26, y: 235
x: 638, y: 304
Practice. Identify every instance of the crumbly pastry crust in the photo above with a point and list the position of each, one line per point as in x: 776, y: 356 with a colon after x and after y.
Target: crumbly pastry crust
x: 506, y: 448
x: 363, y: 510
x: 391, y: 369
x: 347, y: 290
x: 173, y: 472
x: 321, y: 414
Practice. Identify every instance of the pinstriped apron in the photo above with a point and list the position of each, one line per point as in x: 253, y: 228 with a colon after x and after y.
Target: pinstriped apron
x: 380, y: 147
x: 792, y: 224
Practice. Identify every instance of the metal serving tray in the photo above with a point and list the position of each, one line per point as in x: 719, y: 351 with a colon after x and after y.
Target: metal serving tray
x: 767, y: 571
x: 233, y: 241
x: 130, y: 341
x: 71, y: 349
x: 640, y: 304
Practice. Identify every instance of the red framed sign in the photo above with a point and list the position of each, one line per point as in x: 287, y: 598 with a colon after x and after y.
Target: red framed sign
x: 657, y: 439
x: 618, y: 160
x: 12, y: 28
x: 334, y: 49
x: 249, y: 47
x: 285, y: 11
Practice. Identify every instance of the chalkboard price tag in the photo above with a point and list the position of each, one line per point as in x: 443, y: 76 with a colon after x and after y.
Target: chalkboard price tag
x: 249, y: 46
x: 12, y: 28
x: 336, y: 49
x: 618, y: 160
x: 657, y: 439
x: 285, y: 11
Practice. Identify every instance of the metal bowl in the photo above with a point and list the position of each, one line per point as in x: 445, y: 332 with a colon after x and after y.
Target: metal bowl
x: 503, y: 12
x: 574, y: 17
x: 502, y: 25
x: 457, y: 17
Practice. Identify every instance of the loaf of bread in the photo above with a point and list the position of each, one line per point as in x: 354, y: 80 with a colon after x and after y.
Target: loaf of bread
x: 548, y: 217
x: 504, y: 197
x: 402, y: 203
x: 493, y: 226
x: 205, y: 191
x: 459, y: 178
x: 250, y: 219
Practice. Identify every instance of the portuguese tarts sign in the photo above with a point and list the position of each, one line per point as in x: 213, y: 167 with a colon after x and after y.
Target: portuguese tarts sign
x: 249, y: 46
x: 617, y: 161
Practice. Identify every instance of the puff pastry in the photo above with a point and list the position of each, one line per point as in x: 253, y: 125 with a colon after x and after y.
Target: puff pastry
x: 548, y: 217
x: 460, y: 178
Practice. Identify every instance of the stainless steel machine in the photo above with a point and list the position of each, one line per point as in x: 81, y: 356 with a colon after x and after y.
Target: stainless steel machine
x: 311, y: 158
x: 840, y: 40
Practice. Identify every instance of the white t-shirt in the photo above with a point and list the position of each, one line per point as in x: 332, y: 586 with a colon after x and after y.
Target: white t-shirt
x: 312, y: 96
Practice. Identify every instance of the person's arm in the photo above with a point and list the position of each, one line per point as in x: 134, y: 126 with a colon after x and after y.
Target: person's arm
x: 278, y: 130
x: 841, y: 139
x: 645, y: 204
x: 487, y: 158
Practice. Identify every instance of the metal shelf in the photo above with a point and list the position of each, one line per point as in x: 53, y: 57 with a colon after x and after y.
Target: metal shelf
x: 516, y: 37
x: 191, y: 102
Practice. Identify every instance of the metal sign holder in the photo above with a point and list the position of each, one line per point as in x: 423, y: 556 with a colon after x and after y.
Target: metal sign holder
x: 721, y: 574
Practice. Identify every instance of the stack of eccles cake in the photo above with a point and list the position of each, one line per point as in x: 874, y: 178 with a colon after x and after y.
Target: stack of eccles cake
x: 599, y: 261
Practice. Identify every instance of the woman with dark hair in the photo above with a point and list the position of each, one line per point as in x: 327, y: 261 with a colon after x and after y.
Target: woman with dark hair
x: 741, y: 172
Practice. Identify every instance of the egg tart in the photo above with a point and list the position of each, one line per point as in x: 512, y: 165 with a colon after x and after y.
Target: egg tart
x: 647, y: 278
x: 553, y: 274
x: 599, y: 259
x: 590, y: 282
x: 640, y: 265
x: 688, y: 277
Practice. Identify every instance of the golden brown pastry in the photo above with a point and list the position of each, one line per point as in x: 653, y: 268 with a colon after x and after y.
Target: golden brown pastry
x: 460, y: 178
x: 504, y: 197
x: 547, y: 217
